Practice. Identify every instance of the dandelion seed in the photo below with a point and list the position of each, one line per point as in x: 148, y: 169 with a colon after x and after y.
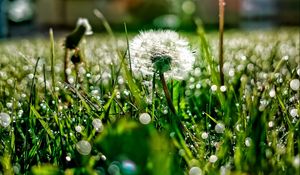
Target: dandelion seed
x: 4, y: 119
x: 213, y: 158
x: 162, y: 51
x: 295, y: 84
x: 145, y: 118
x: 195, y: 171
x: 84, y: 147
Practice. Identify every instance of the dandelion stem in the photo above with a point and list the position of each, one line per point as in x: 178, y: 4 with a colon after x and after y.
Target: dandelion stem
x: 167, y: 93
x: 221, y: 31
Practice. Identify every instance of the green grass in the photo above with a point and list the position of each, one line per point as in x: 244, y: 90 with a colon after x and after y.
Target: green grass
x: 50, y: 118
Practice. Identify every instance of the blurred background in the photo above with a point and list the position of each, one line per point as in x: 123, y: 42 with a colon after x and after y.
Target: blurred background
x: 32, y: 17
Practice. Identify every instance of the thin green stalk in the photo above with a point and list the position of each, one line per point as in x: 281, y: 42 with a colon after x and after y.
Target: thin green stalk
x: 167, y: 93
x: 52, y: 56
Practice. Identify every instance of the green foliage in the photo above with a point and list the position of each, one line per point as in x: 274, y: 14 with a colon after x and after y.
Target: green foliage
x: 250, y: 125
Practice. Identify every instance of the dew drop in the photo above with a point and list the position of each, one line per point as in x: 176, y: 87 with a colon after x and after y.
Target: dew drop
x: 97, y: 123
x: 4, y: 119
x: 145, y: 118
x: 295, y: 84
x: 213, y: 158
x: 214, y: 88
x: 84, y: 147
x: 219, y: 128
x: 204, y: 135
x: 248, y: 141
x: 195, y: 171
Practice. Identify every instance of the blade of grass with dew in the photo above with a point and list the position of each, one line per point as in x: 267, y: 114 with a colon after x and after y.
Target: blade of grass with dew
x: 52, y: 57
x: 44, y: 124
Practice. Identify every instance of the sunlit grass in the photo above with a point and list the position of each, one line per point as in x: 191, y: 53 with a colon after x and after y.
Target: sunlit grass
x: 248, y: 126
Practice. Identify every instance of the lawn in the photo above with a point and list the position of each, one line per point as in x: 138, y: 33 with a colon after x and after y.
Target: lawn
x: 108, y: 120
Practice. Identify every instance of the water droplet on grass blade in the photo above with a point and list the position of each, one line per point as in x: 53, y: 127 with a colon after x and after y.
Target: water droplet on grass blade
x: 97, y: 123
x: 84, y: 147
x: 145, y: 118
x: 128, y: 167
x: 219, y: 128
x: 295, y: 84
x: 213, y: 158
x: 248, y: 141
x: 204, y: 135
x: 4, y: 119
x: 195, y: 171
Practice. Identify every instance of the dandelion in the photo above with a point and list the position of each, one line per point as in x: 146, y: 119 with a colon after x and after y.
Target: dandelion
x: 161, y: 51
x: 164, y: 53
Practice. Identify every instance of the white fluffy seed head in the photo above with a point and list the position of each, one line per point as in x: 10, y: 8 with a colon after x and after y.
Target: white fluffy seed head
x: 163, y: 44
x: 86, y: 24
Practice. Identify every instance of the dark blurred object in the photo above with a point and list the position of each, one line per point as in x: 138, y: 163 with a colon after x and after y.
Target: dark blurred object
x: 132, y: 148
x: 140, y: 14
x: 289, y: 12
x: 3, y: 19
x: 208, y: 11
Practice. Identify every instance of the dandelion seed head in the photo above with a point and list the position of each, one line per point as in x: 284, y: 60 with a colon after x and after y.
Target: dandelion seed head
x: 164, y: 51
x: 84, y: 22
